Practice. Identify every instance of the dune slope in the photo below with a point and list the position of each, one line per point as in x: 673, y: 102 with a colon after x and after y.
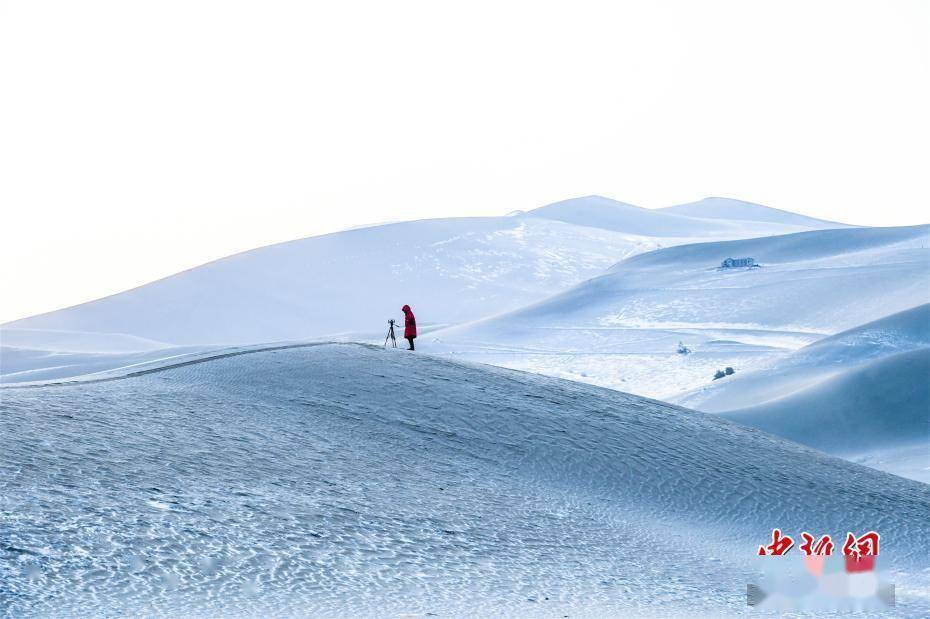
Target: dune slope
x: 731, y: 209
x: 621, y: 329
x: 449, y: 270
x: 342, y: 480
x: 828, y: 357
x: 881, y: 404
x: 608, y: 214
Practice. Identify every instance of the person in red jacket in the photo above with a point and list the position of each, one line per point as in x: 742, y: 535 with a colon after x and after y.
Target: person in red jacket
x: 410, y: 325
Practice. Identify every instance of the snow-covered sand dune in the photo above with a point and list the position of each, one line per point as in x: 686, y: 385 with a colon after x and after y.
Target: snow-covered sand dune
x: 878, y: 407
x: 37, y: 354
x: 343, y: 480
x: 732, y: 210
x: 720, y: 218
x: 450, y: 270
x: 621, y: 329
x: 75, y: 341
x: 863, y: 394
x: 22, y: 365
x: 803, y: 284
x: 825, y: 358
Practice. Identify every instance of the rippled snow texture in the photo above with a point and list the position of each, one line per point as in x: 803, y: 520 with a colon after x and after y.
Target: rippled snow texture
x: 347, y: 481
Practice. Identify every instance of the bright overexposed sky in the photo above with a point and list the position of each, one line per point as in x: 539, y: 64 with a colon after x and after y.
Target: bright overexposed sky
x: 138, y: 139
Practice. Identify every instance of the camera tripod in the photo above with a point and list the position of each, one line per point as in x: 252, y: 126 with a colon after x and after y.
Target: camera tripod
x: 390, y: 334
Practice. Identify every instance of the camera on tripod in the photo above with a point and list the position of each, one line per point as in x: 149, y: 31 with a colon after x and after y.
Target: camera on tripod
x: 390, y: 334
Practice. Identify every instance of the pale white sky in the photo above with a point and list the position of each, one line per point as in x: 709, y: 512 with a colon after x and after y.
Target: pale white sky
x: 141, y: 138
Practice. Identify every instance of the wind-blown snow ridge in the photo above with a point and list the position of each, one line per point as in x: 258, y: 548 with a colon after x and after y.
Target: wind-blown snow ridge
x: 170, y: 362
x: 897, y: 332
x: 343, y: 480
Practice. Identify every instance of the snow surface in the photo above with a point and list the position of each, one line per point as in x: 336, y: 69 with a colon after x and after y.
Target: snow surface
x: 722, y: 222
x: 19, y: 365
x: 881, y: 405
x: 339, y: 480
x: 827, y: 358
x: 621, y: 330
x: 449, y: 270
x: 75, y: 341
x: 863, y: 394
x: 730, y: 209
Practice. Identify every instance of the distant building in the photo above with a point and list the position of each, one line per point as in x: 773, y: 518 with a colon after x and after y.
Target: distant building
x: 732, y: 263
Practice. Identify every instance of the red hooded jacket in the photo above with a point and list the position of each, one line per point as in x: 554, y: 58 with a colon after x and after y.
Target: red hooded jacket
x: 410, y: 322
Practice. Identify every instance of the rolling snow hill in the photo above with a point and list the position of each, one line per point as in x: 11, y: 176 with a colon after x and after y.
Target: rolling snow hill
x: 449, y: 270
x: 730, y: 209
x: 826, y: 358
x: 727, y: 220
x: 863, y: 394
x: 76, y: 341
x: 871, y: 412
x: 340, y: 480
x: 621, y: 329
x: 22, y: 365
